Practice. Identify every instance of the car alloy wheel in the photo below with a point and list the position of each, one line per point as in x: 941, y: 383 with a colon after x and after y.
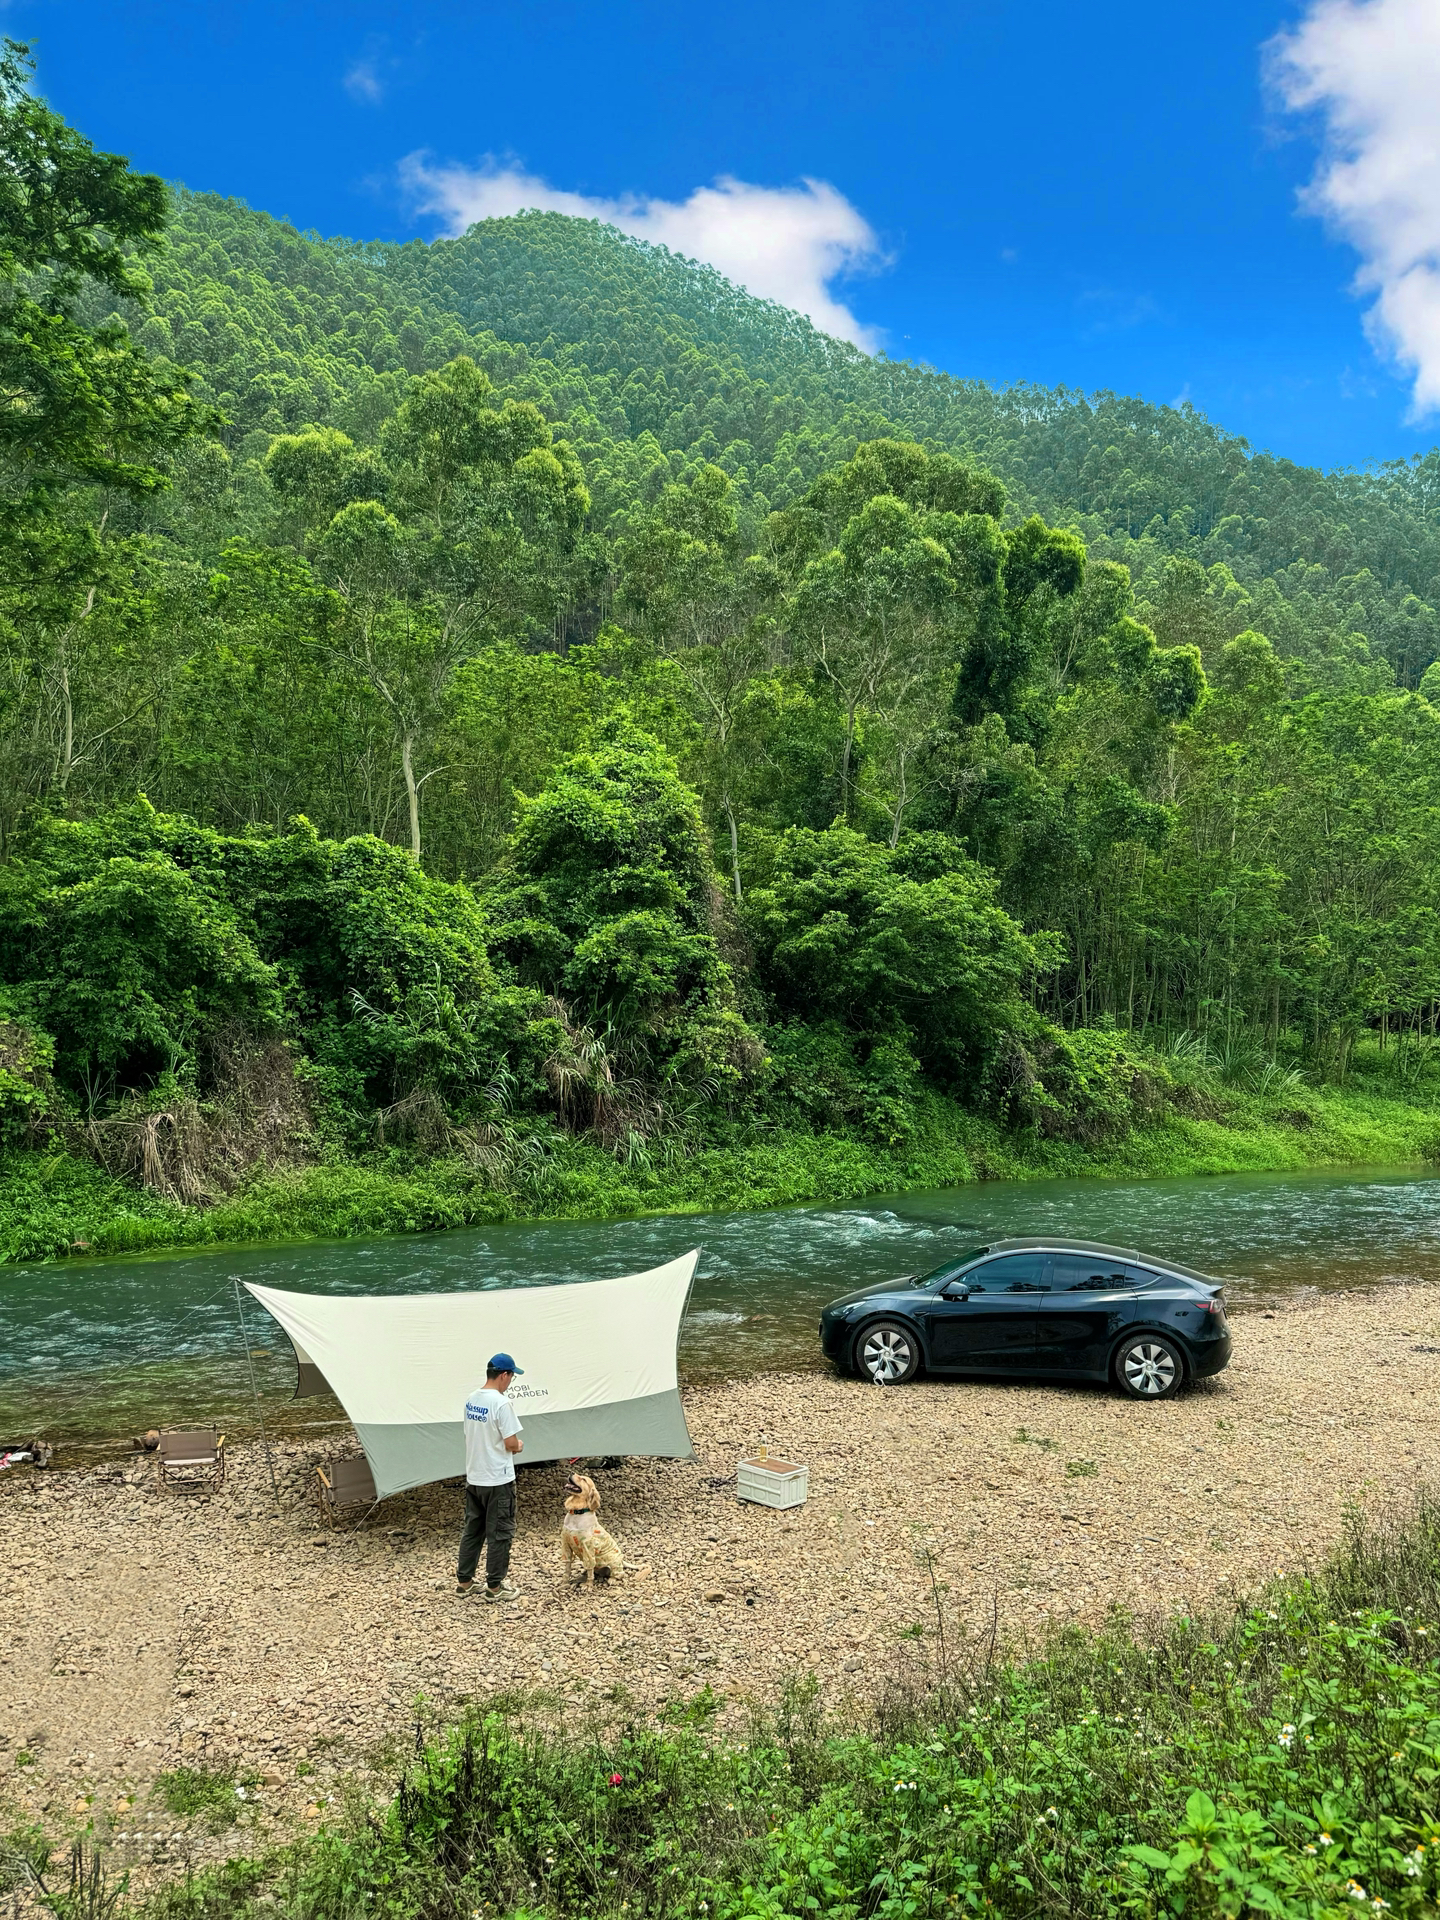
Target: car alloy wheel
x: 887, y: 1353
x: 1149, y: 1369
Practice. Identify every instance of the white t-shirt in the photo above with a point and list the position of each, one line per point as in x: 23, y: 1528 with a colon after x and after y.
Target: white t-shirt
x: 490, y: 1421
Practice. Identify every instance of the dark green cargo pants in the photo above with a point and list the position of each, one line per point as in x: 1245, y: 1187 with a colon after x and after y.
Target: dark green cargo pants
x: 489, y: 1517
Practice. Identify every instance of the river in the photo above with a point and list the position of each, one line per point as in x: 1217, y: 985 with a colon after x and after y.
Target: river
x: 92, y: 1348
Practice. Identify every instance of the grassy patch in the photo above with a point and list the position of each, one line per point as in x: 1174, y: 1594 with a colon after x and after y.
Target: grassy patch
x: 53, y: 1204
x: 211, y: 1791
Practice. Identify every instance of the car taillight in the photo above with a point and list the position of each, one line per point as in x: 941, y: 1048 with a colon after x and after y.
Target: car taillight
x: 1215, y: 1306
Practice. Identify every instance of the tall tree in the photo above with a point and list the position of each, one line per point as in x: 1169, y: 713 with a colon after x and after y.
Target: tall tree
x: 685, y: 585
x: 488, y: 506
x: 884, y: 610
x: 82, y: 403
x: 89, y: 420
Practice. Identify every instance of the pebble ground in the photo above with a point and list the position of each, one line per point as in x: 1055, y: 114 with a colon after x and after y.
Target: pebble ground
x: 148, y: 1630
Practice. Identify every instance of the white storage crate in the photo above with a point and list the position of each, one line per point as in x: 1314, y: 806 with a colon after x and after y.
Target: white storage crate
x: 773, y: 1483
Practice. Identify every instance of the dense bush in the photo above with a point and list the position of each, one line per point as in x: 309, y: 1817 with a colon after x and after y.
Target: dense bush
x: 125, y: 958
x: 906, y: 944
x: 610, y: 903
x: 1088, y: 1084
x: 137, y: 940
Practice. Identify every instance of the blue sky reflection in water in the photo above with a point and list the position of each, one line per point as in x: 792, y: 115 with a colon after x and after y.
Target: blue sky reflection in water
x: 88, y: 1347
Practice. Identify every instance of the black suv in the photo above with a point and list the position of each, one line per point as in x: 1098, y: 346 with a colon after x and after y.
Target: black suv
x: 1070, y: 1308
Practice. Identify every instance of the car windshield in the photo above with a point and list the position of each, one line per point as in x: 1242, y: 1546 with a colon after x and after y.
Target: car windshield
x: 937, y: 1276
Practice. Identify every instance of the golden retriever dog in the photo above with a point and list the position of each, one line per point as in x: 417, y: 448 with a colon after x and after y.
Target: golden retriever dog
x: 586, y: 1549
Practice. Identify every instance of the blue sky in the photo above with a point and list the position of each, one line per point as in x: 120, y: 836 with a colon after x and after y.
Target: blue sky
x: 1104, y: 196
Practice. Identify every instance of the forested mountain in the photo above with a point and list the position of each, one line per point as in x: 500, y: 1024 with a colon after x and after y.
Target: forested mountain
x: 652, y: 364
x: 524, y: 675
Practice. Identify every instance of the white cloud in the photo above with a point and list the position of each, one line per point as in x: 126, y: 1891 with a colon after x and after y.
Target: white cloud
x: 362, y: 82
x: 781, y: 243
x: 1113, y: 311
x: 1372, y: 70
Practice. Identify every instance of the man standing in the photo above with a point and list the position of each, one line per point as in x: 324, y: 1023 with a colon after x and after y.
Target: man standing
x: 492, y: 1439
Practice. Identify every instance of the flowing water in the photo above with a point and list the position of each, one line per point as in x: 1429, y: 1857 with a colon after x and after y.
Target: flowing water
x: 89, y: 1349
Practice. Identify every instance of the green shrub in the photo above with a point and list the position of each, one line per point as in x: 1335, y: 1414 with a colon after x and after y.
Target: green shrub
x: 611, y: 905
x: 825, y: 1076
x: 905, y: 943
x: 1088, y: 1085
x: 29, y: 1102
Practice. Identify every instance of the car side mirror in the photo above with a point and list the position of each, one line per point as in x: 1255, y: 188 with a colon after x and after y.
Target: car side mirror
x: 953, y: 1292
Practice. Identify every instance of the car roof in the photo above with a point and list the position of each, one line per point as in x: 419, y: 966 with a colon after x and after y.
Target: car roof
x: 1058, y: 1243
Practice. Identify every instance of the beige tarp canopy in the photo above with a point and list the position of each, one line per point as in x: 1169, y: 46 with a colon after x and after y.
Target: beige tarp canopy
x: 599, y: 1359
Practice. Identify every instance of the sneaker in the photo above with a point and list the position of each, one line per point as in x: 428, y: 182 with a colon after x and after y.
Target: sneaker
x: 503, y: 1592
x: 464, y: 1588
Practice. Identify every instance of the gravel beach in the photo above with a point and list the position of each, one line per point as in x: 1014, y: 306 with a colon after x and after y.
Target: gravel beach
x: 148, y: 1630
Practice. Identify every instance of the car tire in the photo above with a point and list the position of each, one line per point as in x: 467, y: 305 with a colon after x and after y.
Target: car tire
x: 1148, y: 1367
x: 887, y: 1353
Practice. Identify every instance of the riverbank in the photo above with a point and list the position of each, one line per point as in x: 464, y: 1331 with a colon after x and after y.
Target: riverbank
x: 56, y: 1204
x: 151, y: 1633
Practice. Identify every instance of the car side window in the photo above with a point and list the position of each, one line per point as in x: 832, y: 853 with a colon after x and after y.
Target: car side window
x: 1091, y: 1273
x: 1010, y: 1273
x: 939, y: 1277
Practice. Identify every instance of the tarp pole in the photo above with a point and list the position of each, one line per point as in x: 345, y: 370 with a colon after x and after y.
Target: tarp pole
x: 255, y: 1390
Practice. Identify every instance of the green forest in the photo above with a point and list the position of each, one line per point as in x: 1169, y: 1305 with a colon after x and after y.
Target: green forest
x: 514, y: 724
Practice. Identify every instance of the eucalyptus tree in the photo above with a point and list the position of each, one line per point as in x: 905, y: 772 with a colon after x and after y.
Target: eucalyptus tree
x: 84, y: 404
x: 888, y: 565
x: 909, y: 602
x: 484, y: 508
x: 90, y: 422
x: 685, y: 585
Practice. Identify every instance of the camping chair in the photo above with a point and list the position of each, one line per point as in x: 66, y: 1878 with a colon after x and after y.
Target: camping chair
x: 196, y: 1454
x: 341, y: 1485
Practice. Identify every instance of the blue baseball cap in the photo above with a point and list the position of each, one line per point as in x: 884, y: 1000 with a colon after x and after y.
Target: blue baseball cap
x: 503, y: 1363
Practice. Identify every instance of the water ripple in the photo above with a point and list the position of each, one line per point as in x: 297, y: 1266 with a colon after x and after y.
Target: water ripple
x: 113, y: 1331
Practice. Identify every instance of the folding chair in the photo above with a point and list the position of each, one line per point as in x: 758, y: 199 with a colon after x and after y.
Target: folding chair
x: 342, y: 1485
x: 195, y: 1454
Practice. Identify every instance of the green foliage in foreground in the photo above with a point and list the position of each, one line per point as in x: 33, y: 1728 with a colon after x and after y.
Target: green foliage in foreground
x: 1281, y: 1760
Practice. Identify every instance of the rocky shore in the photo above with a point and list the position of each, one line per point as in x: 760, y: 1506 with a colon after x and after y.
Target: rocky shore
x: 149, y: 1631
